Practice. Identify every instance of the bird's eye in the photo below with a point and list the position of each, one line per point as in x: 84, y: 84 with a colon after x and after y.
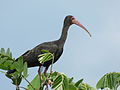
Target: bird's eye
x: 72, y: 18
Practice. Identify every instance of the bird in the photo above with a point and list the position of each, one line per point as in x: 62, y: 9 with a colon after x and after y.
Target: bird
x: 55, y: 47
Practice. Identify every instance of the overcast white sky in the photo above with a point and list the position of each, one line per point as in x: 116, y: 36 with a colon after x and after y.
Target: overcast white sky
x: 26, y: 23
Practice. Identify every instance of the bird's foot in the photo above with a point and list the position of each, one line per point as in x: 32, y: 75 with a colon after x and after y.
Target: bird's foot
x: 50, y: 82
x: 47, y: 83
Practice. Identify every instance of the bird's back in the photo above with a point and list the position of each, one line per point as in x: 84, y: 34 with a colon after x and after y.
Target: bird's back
x: 31, y: 56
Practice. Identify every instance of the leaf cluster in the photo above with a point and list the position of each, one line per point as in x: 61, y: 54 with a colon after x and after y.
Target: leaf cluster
x: 57, y: 81
x: 109, y: 80
x: 6, y: 59
x: 9, y: 63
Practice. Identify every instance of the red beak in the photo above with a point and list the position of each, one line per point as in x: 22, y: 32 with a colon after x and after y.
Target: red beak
x: 74, y: 21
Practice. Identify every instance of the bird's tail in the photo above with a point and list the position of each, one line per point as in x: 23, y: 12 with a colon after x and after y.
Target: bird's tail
x: 11, y: 71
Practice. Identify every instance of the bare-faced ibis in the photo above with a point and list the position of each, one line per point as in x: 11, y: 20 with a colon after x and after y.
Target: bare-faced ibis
x: 55, y: 47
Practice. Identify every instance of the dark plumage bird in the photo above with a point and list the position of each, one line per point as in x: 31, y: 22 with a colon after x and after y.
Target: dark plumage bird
x: 55, y: 47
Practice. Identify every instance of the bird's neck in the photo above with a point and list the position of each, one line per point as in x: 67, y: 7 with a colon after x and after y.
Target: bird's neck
x: 63, y: 35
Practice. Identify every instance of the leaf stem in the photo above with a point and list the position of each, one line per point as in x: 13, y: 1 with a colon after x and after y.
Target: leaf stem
x: 28, y: 82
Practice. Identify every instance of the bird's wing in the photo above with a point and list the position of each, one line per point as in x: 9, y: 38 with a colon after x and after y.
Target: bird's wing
x: 31, y: 56
x: 51, y: 47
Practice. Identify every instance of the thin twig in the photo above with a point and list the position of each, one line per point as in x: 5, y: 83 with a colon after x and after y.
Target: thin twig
x: 29, y: 82
x: 17, y: 87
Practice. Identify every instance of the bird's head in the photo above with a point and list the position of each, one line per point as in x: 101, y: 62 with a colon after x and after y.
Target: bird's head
x: 69, y: 20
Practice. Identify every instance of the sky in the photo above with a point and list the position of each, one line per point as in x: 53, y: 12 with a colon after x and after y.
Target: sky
x: 27, y: 23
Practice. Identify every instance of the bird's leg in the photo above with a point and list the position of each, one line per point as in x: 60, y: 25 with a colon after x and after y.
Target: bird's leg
x: 39, y: 73
x: 45, y: 71
x: 40, y: 76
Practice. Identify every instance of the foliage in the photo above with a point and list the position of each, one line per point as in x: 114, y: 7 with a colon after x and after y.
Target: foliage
x: 45, y: 57
x: 6, y: 59
x: 56, y: 80
x: 9, y: 63
x: 59, y: 81
x: 109, y: 80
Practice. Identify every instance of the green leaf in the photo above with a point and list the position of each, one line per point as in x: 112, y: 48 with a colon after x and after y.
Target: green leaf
x: 8, y: 63
x: 13, y: 66
x: 54, y: 75
x: 78, y: 82
x: 35, y: 82
x: 19, y: 64
x: 61, y: 83
x: 17, y: 80
x: 57, y: 82
x: 45, y: 57
x: 2, y: 60
x: 65, y: 83
x: 20, y: 61
x: 109, y: 80
x: 15, y: 77
x: 6, y: 59
x: 25, y: 70
x: 2, y: 51
x: 72, y: 87
x: 8, y: 53
x: 70, y: 80
x: 4, y: 67
x: 85, y: 86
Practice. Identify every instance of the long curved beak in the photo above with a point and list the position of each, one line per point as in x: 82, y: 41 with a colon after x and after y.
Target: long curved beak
x: 74, y: 21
